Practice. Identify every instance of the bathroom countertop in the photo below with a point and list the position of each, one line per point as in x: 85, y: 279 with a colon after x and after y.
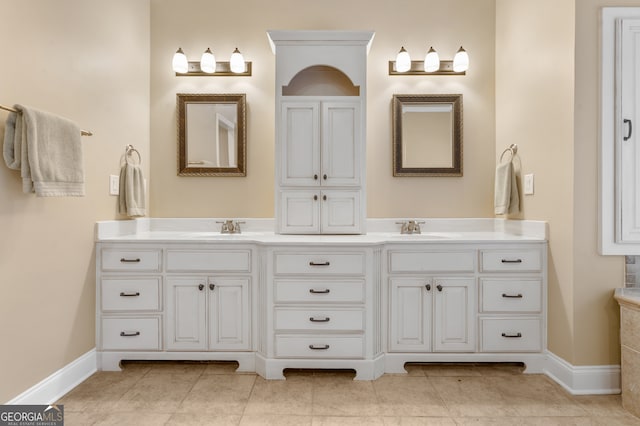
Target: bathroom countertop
x: 379, y: 231
x: 629, y: 296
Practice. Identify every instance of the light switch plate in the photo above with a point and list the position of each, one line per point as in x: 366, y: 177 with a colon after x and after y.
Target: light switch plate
x: 528, y: 184
x: 114, y: 185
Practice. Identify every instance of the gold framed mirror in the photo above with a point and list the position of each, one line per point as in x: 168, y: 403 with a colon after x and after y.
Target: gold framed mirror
x: 211, y: 135
x: 427, y: 135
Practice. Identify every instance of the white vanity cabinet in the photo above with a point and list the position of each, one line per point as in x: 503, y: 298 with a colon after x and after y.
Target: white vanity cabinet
x: 431, y: 300
x: 320, y: 131
x: 175, y: 301
x: 320, y: 310
x: 465, y: 302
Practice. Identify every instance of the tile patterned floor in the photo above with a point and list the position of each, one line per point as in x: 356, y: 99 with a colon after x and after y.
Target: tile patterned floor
x: 174, y: 393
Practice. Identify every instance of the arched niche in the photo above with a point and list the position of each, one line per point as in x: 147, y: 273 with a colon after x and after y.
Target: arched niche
x: 320, y: 80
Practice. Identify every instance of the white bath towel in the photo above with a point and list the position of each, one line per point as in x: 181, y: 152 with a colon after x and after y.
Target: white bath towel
x: 506, y: 198
x: 47, y: 150
x: 132, y: 196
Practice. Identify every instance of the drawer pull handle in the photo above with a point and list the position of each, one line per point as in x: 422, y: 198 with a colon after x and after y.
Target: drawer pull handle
x: 125, y: 260
x: 319, y: 348
x: 517, y: 335
x: 125, y: 334
x: 123, y: 294
x: 325, y: 319
x: 314, y: 291
x: 319, y: 263
x: 511, y: 260
x: 512, y: 296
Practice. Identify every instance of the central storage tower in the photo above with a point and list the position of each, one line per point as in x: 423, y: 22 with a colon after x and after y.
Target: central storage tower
x: 320, y: 131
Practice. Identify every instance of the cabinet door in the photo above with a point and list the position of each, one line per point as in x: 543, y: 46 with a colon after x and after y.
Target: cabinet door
x: 410, y: 314
x: 454, y: 315
x: 186, y: 314
x: 628, y: 122
x: 229, y: 319
x: 300, y: 136
x: 341, y: 143
x: 300, y: 212
x: 340, y: 211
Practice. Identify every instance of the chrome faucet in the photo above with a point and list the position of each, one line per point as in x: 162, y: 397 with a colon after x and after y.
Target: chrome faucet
x: 410, y: 226
x: 230, y: 227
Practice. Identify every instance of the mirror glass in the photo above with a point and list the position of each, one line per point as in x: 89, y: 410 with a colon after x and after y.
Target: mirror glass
x: 427, y: 135
x: 211, y: 135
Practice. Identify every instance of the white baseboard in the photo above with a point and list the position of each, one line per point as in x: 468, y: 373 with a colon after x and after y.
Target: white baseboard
x: 590, y: 380
x: 59, y: 383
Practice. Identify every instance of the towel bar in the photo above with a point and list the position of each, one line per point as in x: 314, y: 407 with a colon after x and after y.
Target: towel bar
x: 513, y: 149
x: 6, y: 108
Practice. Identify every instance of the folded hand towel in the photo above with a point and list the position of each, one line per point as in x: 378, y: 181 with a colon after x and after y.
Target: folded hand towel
x: 507, y: 198
x: 132, y: 198
x: 47, y: 150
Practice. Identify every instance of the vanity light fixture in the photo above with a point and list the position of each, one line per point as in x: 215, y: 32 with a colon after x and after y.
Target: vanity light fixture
x: 432, y: 65
x: 208, y: 66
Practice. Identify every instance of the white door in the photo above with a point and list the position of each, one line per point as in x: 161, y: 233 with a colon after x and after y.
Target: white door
x: 340, y: 211
x: 229, y: 319
x: 300, y: 136
x: 454, y: 315
x: 627, y: 126
x: 185, y: 320
x: 341, y: 143
x: 410, y: 314
x: 300, y: 212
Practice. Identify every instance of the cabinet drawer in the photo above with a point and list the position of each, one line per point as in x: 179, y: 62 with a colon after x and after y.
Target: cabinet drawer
x: 320, y: 263
x: 319, y: 319
x: 209, y: 260
x: 319, y: 291
x: 321, y: 346
x: 521, y: 260
x: 130, y: 294
x: 511, y: 295
x: 130, y: 260
x: 131, y: 333
x: 432, y: 261
x: 511, y: 334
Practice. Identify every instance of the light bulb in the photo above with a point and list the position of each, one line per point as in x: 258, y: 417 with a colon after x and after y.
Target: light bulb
x: 208, y: 62
x: 403, y: 61
x: 461, y: 61
x: 236, y: 63
x: 180, y: 63
x: 432, y: 61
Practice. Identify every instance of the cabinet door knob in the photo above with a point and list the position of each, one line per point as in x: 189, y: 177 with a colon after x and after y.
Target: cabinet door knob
x: 315, y: 177
x: 212, y: 287
x: 428, y: 287
x: 324, y: 177
x: 439, y: 287
x: 201, y: 287
x: 315, y: 197
x: 324, y: 197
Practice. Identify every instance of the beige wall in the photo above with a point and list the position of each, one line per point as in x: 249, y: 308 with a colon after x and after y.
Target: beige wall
x: 195, y: 25
x: 87, y: 60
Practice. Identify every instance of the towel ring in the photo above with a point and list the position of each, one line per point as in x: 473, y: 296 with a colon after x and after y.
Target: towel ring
x: 513, y: 149
x: 128, y: 151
